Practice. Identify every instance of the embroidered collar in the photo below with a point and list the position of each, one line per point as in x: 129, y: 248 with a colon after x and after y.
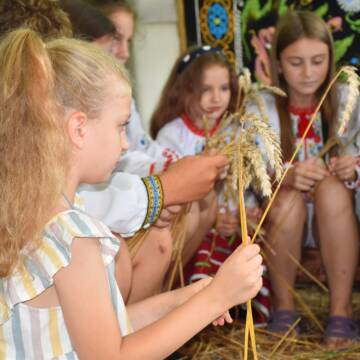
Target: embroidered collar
x: 301, y: 111
x: 304, y: 116
x: 196, y: 130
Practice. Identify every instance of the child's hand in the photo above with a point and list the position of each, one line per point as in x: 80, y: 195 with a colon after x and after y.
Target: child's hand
x: 226, y: 223
x: 221, y: 320
x: 191, y: 178
x: 239, y: 279
x: 306, y: 174
x: 167, y: 216
x: 225, y: 171
x: 343, y: 167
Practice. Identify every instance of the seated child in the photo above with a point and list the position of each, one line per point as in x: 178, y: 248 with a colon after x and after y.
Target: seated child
x: 303, y: 65
x: 201, y: 88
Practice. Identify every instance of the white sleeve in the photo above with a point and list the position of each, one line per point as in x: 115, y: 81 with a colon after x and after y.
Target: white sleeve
x: 121, y: 203
x: 145, y: 156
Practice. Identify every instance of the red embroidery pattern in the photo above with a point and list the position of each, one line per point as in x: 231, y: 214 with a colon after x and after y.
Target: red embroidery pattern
x: 194, y: 129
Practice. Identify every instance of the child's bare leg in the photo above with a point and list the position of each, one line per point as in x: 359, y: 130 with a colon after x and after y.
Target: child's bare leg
x: 284, y: 227
x: 339, y: 240
x: 199, y: 221
x: 152, y: 261
x: 150, y: 264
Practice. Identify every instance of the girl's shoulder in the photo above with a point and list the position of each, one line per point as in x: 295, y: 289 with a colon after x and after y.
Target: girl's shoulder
x: 173, y: 125
x: 170, y: 130
x: 38, y: 267
x: 265, y: 97
x: 265, y: 105
x: 342, y: 91
x: 73, y: 223
x: 62, y: 229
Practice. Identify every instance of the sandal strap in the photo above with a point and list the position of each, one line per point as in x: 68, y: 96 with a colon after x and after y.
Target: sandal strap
x: 341, y: 327
x: 281, y: 320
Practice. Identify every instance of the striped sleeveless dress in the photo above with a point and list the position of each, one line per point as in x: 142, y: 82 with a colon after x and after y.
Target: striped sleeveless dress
x: 40, y: 333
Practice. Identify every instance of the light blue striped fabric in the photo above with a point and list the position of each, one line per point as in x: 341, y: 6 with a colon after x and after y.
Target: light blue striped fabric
x: 32, y: 333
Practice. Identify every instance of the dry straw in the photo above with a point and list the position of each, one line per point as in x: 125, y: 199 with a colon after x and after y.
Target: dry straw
x: 249, y: 167
x: 226, y: 343
x: 238, y: 136
x: 178, y: 233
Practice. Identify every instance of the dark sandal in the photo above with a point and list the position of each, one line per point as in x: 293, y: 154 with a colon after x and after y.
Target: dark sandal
x: 341, y: 330
x: 282, y: 320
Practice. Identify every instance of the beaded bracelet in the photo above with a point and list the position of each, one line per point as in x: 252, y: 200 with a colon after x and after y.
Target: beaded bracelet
x: 155, y: 199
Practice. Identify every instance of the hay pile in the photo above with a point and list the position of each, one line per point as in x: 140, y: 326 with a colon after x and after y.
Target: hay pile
x: 226, y: 343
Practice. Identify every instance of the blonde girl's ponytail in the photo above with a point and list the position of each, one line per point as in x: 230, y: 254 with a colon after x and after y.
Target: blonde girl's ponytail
x: 33, y: 155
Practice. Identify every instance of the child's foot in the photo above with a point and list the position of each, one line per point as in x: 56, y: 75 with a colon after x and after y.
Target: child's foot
x: 341, y: 332
x: 282, y: 320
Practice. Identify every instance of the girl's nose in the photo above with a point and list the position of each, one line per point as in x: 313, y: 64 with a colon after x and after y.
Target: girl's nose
x: 307, y: 69
x: 120, y: 50
x: 123, y: 53
x: 124, y: 143
x: 216, y: 96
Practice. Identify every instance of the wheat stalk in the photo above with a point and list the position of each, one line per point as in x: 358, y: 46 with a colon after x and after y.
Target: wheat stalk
x: 353, y: 93
x: 249, y: 167
x: 273, y: 89
x: 237, y: 137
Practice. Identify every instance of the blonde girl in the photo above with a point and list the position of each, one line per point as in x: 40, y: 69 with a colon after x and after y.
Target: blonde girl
x: 64, y: 108
x: 122, y: 202
x: 302, y: 65
x: 146, y: 156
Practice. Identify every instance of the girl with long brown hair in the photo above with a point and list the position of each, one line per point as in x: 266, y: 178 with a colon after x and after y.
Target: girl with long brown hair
x: 187, y: 95
x: 202, y: 86
x: 316, y: 201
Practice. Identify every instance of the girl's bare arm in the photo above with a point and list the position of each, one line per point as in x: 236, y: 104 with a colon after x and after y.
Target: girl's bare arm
x: 83, y: 293
x: 154, y: 308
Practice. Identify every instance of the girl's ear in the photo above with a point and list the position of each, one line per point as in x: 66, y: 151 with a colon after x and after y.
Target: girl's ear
x: 75, y: 126
x: 279, y: 67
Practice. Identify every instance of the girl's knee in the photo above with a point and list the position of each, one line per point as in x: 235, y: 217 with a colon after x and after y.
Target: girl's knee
x: 160, y: 245
x: 329, y: 184
x: 164, y: 242
x: 289, y: 203
x: 156, y: 248
x: 332, y: 194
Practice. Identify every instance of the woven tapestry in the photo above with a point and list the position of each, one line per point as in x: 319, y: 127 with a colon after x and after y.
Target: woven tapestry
x: 244, y: 28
